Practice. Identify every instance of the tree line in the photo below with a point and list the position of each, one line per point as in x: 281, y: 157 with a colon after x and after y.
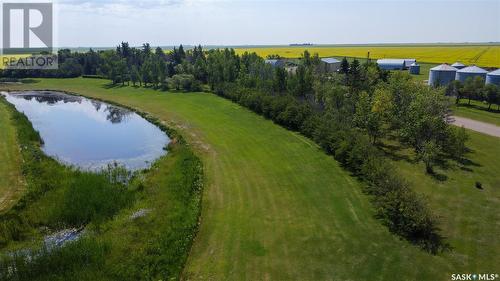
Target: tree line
x: 348, y: 114
x: 177, y: 69
x: 473, y: 88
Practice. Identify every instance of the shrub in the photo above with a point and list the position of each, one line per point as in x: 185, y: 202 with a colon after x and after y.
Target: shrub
x: 185, y: 82
x: 479, y: 185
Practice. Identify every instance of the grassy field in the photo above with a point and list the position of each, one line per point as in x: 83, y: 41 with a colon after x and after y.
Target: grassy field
x: 11, y: 186
x: 468, y: 214
x: 482, y: 55
x: 478, y: 111
x: 275, y: 207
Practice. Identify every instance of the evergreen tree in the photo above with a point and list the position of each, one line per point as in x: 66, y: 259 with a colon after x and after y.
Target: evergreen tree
x: 162, y: 74
x: 306, y: 56
x: 182, y: 53
x: 146, y: 50
x: 134, y: 75
x: 123, y: 50
x: 160, y: 54
x: 354, y: 76
x: 122, y: 70
x: 170, y: 69
x: 155, y: 73
x: 344, y: 66
x: 279, y: 81
x: 200, y: 69
x: 146, y: 72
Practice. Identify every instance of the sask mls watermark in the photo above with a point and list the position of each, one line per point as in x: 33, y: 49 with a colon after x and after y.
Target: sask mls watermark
x: 474, y: 277
x: 28, y: 35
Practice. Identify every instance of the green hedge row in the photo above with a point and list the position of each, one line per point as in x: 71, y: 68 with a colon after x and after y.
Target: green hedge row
x: 404, y: 212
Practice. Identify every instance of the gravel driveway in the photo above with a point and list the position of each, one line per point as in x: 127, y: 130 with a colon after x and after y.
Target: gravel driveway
x: 478, y: 126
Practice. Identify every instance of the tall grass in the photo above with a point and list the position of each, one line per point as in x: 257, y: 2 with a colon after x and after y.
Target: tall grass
x: 169, y: 230
x: 55, y: 264
x: 89, y: 198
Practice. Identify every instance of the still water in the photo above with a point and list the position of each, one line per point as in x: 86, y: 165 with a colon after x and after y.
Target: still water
x: 90, y: 134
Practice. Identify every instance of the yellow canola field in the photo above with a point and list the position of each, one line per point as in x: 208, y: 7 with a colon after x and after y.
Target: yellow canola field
x: 481, y: 55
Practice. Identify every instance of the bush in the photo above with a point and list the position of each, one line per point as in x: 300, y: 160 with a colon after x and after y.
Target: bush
x: 479, y: 185
x: 185, y: 82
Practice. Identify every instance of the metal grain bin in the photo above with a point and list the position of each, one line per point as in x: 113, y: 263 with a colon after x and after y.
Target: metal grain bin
x: 409, y: 62
x: 493, y: 77
x: 458, y: 65
x: 415, y: 69
x: 470, y: 71
x: 391, y: 64
x: 442, y: 75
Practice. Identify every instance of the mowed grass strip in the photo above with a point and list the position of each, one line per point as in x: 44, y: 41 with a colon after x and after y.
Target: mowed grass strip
x: 11, y: 186
x: 275, y: 206
x: 482, y: 55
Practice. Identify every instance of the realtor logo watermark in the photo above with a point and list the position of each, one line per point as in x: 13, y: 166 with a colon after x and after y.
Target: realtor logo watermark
x: 28, y: 35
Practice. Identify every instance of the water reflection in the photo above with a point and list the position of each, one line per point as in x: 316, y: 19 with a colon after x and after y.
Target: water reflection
x: 88, y: 133
x: 115, y: 114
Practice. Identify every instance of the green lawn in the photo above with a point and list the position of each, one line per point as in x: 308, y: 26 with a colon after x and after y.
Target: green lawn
x: 469, y: 215
x: 275, y: 207
x: 11, y: 186
x: 478, y: 111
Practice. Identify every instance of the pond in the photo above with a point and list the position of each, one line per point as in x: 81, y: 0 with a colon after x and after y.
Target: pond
x: 90, y: 134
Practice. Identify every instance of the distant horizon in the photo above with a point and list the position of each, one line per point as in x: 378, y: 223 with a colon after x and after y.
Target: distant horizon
x: 274, y: 22
x: 288, y: 45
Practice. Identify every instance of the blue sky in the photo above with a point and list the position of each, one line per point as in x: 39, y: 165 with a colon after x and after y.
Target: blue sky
x: 249, y: 22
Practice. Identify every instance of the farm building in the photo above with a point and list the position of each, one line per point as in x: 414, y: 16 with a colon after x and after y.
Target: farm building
x: 409, y: 62
x: 275, y: 62
x: 442, y: 75
x: 458, y: 65
x: 391, y: 64
x: 493, y: 77
x: 330, y: 64
x: 470, y: 71
x: 415, y: 68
